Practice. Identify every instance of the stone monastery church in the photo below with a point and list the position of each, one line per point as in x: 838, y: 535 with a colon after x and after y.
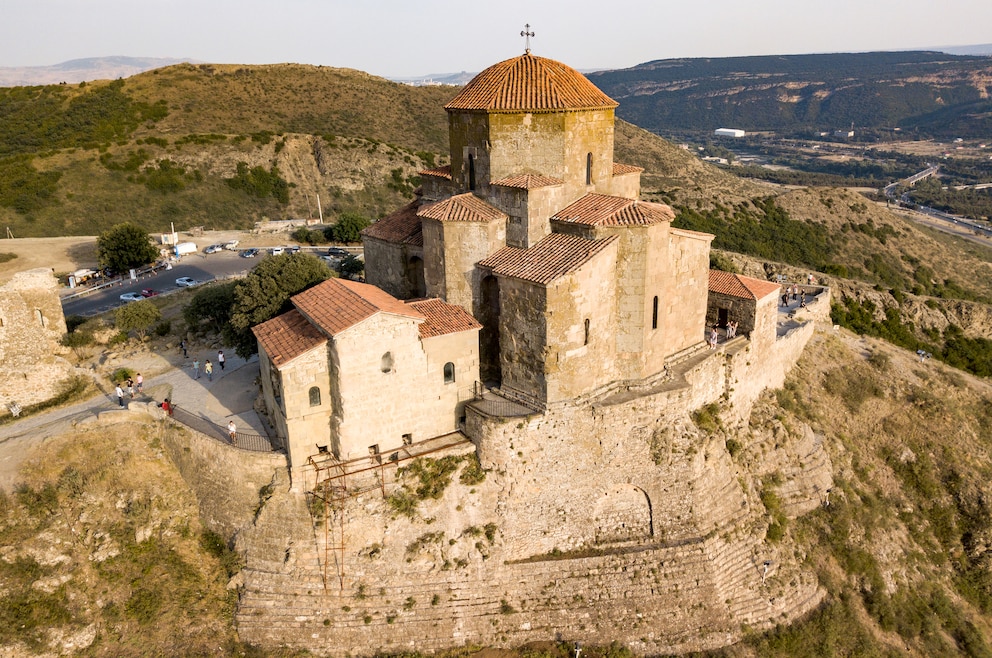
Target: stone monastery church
x: 537, y: 269
x: 527, y: 309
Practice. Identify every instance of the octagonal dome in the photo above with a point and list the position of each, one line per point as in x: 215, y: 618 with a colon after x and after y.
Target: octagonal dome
x: 529, y: 84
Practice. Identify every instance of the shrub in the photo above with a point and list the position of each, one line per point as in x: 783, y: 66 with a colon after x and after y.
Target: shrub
x: 121, y: 375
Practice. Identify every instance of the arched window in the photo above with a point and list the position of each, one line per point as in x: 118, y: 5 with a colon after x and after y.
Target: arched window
x: 449, y: 372
x: 586, y: 340
x: 314, y: 396
x: 588, y: 168
x: 654, y: 313
x: 386, y: 363
x: 471, y: 171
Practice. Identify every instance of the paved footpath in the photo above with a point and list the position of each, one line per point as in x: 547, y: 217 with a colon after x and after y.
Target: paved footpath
x: 231, y: 394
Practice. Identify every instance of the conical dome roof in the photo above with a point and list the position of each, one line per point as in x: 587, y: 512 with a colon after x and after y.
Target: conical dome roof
x: 529, y: 84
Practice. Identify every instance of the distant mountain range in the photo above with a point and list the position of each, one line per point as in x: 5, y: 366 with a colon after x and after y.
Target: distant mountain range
x: 82, y: 70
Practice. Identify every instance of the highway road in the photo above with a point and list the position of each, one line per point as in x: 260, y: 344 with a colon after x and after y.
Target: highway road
x: 201, y: 267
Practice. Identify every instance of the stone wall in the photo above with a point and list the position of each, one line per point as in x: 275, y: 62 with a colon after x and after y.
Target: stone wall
x: 389, y: 266
x: 31, y: 326
x: 227, y: 480
x: 615, y: 520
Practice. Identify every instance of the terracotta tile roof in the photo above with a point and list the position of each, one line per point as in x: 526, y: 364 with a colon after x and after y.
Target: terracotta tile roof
x: 287, y: 336
x: 462, y: 208
x: 338, y: 304
x: 602, y: 210
x: 553, y: 257
x: 528, y: 181
x: 400, y: 227
x: 529, y: 84
x: 737, y: 285
x: 443, y: 318
x: 439, y: 172
x: 621, y: 169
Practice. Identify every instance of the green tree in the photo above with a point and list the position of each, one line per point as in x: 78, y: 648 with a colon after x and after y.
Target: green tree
x: 137, y: 316
x: 210, y: 308
x: 349, y: 227
x: 265, y: 293
x: 352, y: 266
x: 125, y: 246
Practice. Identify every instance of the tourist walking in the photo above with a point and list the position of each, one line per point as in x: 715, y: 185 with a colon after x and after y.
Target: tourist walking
x: 208, y: 368
x: 140, y: 382
x: 221, y: 359
x: 232, y: 431
x: 130, y: 387
x: 196, y: 368
x: 182, y: 346
x: 119, y: 392
x: 714, y: 337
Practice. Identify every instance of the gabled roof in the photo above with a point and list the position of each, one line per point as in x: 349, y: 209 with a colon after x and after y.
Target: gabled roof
x: 461, y: 208
x: 338, y: 304
x: 400, y: 227
x: 529, y: 84
x: 439, y: 172
x: 738, y: 285
x: 553, y: 257
x: 602, y: 210
x: 621, y: 169
x: 287, y: 336
x: 528, y: 181
x: 443, y: 318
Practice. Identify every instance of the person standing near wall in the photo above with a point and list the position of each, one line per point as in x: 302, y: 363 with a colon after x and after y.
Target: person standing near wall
x: 119, y: 392
x: 232, y: 431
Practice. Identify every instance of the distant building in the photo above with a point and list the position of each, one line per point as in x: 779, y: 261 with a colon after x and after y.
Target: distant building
x: 843, y: 133
x: 729, y: 132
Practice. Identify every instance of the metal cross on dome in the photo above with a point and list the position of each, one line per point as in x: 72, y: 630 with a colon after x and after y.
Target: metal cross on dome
x: 527, y: 33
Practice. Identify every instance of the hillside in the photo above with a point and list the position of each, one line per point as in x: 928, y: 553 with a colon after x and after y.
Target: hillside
x: 926, y: 93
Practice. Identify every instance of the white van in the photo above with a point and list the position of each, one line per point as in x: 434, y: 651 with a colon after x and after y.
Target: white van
x: 184, y: 248
x: 275, y: 251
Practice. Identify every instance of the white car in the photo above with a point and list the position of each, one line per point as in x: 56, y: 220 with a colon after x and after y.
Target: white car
x: 185, y: 282
x: 275, y: 251
x: 213, y: 249
x: 131, y: 297
x: 232, y: 245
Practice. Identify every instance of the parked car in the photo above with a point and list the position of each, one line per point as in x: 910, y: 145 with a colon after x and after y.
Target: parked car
x: 186, y: 282
x: 295, y: 249
x: 337, y: 251
x: 213, y: 249
x: 249, y: 253
x: 275, y: 251
x: 232, y: 245
x: 131, y: 297
x: 148, y: 292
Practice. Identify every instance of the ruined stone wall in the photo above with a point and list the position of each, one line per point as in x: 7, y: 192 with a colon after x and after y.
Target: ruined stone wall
x: 31, y: 326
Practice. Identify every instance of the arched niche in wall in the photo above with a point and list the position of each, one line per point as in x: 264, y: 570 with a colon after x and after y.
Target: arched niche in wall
x: 622, y: 514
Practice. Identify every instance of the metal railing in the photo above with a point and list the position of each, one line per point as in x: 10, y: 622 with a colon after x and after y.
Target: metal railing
x: 251, y: 441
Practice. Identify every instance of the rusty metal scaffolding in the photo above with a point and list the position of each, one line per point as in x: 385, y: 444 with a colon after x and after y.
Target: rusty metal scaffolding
x: 329, y: 482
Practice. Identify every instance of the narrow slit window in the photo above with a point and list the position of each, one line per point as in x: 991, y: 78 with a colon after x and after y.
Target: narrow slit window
x: 586, y: 339
x: 471, y: 172
x: 654, y: 313
x: 588, y: 168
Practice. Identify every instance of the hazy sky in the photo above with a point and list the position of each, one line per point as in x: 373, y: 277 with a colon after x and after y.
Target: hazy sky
x: 397, y: 38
